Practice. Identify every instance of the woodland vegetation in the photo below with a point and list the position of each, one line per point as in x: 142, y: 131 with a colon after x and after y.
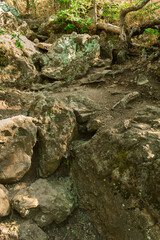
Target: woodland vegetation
x: 128, y: 19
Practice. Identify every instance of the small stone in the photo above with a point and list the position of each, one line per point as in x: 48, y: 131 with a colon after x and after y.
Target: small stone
x: 44, y: 46
x: 142, y: 80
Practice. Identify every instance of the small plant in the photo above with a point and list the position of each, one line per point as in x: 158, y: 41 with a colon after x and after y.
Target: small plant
x: 3, y: 89
x: 152, y: 32
x: 74, y: 232
x: 52, y: 115
x: 74, y: 15
x: 18, y: 40
x: 2, y: 32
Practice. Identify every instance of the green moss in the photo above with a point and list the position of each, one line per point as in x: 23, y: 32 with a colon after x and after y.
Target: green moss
x: 120, y: 160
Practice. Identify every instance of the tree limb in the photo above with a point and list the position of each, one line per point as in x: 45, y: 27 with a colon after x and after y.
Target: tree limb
x: 141, y: 28
x: 124, y: 35
x: 108, y: 27
x: 95, y: 14
x: 133, y: 8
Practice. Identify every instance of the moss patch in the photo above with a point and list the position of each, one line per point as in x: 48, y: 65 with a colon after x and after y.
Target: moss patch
x: 120, y: 160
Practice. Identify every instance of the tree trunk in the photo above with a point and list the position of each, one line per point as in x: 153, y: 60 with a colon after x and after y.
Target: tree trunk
x: 124, y: 33
x: 95, y: 14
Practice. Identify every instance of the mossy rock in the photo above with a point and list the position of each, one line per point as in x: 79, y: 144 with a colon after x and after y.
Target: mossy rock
x: 120, y: 161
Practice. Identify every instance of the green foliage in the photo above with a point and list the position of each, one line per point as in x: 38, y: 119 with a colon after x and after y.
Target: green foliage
x: 152, y: 32
x: 18, y: 40
x: 31, y: 3
x: 149, y: 10
x: 112, y: 11
x: 74, y: 14
x: 64, y: 2
x: 2, y: 32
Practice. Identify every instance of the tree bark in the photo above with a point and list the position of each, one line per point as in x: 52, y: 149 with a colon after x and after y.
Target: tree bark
x: 124, y: 33
x: 95, y: 14
x: 109, y: 27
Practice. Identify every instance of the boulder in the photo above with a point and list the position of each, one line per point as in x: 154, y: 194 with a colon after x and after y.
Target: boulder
x: 30, y: 231
x: 48, y: 27
x: 15, y: 65
x: 45, y: 202
x: 17, y: 139
x: 10, y: 21
x: 117, y: 177
x: 4, y: 200
x: 108, y: 42
x: 84, y: 108
x: 69, y: 57
x: 56, y: 129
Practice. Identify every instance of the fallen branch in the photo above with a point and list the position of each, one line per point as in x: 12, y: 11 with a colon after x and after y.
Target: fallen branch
x: 126, y: 99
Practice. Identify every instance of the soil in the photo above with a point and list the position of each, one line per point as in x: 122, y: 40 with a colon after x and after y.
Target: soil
x: 106, y: 92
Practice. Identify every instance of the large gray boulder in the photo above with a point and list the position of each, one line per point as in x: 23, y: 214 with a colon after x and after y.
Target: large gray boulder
x: 69, y: 57
x: 117, y: 174
x: 17, y: 139
x: 57, y: 124
x: 45, y: 202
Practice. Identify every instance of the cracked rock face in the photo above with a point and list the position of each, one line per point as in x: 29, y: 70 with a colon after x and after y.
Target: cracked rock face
x: 17, y: 139
x: 117, y: 177
x: 56, y: 129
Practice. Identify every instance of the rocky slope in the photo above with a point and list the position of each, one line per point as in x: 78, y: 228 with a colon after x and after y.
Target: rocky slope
x: 79, y: 137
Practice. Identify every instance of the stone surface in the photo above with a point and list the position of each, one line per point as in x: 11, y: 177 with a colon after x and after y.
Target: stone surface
x: 5, y: 8
x: 84, y: 108
x: 17, y: 139
x: 36, y: 9
x: 16, y: 68
x: 108, y: 42
x: 48, y: 27
x: 4, y: 202
x: 56, y: 129
x: 94, y: 124
x: 117, y: 177
x: 30, y: 231
x: 70, y: 57
x: 142, y: 80
x: 45, y: 202
x: 9, y: 230
x: 44, y: 46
